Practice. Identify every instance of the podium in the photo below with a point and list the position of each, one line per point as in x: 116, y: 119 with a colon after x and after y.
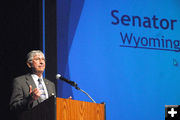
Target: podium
x: 65, y: 109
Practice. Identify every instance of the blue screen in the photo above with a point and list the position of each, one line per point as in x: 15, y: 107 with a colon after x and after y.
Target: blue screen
x: 123, y: 53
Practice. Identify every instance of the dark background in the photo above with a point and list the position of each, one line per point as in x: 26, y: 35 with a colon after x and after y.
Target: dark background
x: 21, y: 32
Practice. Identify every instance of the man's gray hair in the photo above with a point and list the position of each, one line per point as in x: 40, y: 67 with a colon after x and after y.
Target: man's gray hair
x: 33, y: 53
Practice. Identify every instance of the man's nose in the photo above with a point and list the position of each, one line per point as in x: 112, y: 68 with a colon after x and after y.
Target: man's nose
x: 42, y: 61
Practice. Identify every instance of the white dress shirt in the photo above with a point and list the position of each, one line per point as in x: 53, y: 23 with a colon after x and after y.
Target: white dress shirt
x: 35, y: 78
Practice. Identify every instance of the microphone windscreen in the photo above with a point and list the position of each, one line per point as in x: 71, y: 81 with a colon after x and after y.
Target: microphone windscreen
x: 58, y: 76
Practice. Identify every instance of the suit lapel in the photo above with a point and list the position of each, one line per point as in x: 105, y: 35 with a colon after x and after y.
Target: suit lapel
x: 47, y: 86
x: 30, y: 81
x: 50, y: 88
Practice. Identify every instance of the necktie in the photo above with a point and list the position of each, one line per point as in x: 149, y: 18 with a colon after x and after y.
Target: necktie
x: 41, y: 88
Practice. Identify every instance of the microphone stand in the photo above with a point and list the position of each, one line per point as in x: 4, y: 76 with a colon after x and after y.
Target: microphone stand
x: 72, y: 83
x: 76, y: 86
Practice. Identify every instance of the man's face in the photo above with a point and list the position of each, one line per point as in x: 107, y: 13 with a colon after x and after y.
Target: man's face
x: 38, y: 63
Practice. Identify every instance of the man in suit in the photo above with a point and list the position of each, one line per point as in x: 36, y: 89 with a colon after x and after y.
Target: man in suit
x: 31, y: 89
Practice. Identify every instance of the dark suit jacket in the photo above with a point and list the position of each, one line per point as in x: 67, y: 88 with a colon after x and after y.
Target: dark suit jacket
x: 20, y: 98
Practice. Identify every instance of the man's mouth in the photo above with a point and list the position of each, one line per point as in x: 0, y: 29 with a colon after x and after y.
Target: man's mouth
x: 41, y: 66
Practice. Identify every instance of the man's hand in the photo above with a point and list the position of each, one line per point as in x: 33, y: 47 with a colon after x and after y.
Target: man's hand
x: 34, y: 93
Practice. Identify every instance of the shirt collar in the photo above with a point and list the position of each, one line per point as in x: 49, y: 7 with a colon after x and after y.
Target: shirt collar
x: 35, y: 77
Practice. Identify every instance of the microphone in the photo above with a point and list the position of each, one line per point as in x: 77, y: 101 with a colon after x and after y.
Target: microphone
x: 58, y: 76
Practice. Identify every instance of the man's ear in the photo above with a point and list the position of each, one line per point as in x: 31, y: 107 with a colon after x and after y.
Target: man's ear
x: 29, y: 65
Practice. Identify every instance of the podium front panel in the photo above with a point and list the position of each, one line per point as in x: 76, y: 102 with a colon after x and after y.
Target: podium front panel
x: 67, y: 109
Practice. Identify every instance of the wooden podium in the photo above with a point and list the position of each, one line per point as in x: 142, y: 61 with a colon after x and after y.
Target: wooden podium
x: 65, y: 109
